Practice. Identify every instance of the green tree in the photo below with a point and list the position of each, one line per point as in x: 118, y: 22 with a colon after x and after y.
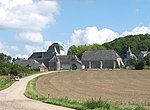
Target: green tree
x: 79, y: 50
x: 5, y: 58
x: 138, y: 43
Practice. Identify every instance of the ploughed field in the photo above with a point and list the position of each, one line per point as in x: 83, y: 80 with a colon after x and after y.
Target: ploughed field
x: 121, y: 86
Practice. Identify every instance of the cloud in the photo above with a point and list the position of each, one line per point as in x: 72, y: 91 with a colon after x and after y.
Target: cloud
x: 7, y: 49
x: 31, y: 48
x: 47, y: 44
x: 27, y: 14
x: 138, y: 30
x: 30, y: 37
x: 92, y: 35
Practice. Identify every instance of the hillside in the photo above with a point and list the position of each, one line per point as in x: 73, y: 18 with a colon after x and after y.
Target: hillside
x: 138, y: 43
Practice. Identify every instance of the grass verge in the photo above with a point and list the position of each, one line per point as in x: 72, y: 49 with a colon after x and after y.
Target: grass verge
x: 5, y: 82
x: 32, y: 93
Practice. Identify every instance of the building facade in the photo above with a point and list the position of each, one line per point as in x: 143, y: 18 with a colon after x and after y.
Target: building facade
x: 102, y: 59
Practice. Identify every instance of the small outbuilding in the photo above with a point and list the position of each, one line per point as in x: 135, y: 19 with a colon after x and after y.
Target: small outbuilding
x: 102, y: 59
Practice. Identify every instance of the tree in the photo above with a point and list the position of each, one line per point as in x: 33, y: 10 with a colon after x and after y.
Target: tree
x: 5, y: 58
x: 79, y: 50
x: 138, y: 42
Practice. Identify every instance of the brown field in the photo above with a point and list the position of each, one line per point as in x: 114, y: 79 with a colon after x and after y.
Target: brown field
x: 121, y: 86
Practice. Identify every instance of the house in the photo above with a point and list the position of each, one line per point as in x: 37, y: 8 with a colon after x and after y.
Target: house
x: 31, y: 63
x: 55, y: 59
x: 43, y: 68
x: 102, y: 59
x: 65, y: 62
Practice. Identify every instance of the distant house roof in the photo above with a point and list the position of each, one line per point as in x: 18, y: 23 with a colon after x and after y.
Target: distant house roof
x: 56, y: 46
x: 99, y: 55
x: 66, y: 59
x: 28, y: 63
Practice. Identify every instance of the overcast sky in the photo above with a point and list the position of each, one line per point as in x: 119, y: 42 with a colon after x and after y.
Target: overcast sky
x: 27, y: 26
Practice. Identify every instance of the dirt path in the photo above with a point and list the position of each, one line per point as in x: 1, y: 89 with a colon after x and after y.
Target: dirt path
x: 13, y: 98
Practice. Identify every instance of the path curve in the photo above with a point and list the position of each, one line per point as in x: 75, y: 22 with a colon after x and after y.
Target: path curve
x: 13, y: 98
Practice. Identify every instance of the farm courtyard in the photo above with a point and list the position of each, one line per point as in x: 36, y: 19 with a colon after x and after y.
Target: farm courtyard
x: 120, y: 86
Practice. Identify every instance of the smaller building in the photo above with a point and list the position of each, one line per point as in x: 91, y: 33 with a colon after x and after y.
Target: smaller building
x: 43, y: 68
x: 129, y: 57
x: 102, y: 59
x: 65, y: 62
x: 31, y: 64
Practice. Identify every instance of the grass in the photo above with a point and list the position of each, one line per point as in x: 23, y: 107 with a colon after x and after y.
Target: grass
x: 32, y: 73
x: 5, y: 82
x: 31, y: 92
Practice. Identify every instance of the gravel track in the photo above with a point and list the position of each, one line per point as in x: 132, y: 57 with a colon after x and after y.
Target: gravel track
x: 13, y: 98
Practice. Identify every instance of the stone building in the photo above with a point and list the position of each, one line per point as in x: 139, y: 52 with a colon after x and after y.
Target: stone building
x: 53, y: 59
x: 102, y: 59
x: 129, y: 57
x: 65, y: 62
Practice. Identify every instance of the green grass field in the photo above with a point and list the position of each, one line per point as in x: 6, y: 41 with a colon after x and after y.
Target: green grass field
x: 5, y: 82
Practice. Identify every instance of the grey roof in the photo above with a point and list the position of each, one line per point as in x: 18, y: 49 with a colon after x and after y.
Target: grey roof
x: 42, y: 57
x: 57, y: 46
x: 66, y: 59
x: 99, y: 55
x: 28, y: 63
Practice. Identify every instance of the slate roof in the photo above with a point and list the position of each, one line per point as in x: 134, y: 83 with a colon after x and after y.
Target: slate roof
x: 57, y: 46
x: 66, y: 59
x: 99, y: 55
x: 42, y: 57
x: 28, y: 63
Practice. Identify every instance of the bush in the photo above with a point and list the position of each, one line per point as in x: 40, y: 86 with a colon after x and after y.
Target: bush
x: 140, y: 65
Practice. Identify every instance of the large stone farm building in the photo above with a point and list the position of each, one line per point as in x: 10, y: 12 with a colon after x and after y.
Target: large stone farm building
x: 102, y: 59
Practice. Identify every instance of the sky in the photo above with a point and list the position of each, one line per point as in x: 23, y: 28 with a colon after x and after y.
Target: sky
x: 28, y: 26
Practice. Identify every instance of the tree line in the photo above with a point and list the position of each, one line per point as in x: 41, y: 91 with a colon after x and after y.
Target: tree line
x: 7, y: 67
x: 138, y: 43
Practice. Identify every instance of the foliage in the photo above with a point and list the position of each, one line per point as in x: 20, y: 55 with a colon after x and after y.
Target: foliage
x: 7, y: 68
x: 138, y: 43
x: 140, y: 65
x: 5, y: 58
x: 31, y: 92
x: 133, y: 62
x: 147, y: 59
x: 5, y: 82
x: 79, y: 50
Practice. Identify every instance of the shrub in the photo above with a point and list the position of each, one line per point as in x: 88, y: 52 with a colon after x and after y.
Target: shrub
x: 140, y: 65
